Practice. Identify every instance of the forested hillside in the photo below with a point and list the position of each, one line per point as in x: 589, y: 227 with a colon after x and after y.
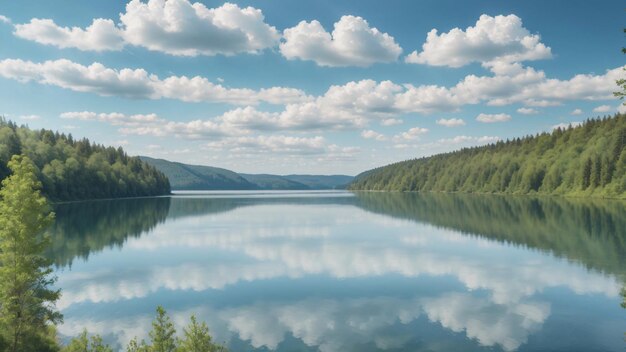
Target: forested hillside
x: 78, y: 169
x: 274, y: 182
x: 198, y: 177
x: 588, y: 160
x: 322, y: 181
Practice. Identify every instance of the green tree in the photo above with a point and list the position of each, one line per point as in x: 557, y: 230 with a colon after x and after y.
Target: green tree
x: 82, y: 343
x: 197, y: 338
x: 163, y: 333
x: 135, y: 346
x: 26, y: 300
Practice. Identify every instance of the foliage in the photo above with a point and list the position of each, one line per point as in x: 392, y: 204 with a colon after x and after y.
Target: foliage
x: 78, y: 169
x: 26, y: 301
x: 82, y: 343
x: 197, y: 338
x: 588, y: 160
x: 163, y: 333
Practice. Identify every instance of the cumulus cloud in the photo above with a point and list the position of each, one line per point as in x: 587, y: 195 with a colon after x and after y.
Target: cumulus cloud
x: 138, y: 83
x: 352, y: 43
x: 351, y: 105
x: 576, y: 112
x: 527, y: 111
x: 489, y: 118
x: 603, y: 108
x: 451, y: 122
x: 176, y: 27
x: 101, y: 35
x: 5, y: 19
x: 391, y: 122
x: 411, y: 134
x: 491, y: 40
x: 370, y: 134
x: 173, y: 27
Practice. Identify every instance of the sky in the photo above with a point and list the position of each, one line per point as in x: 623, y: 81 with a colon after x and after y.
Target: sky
x: 322, y: 87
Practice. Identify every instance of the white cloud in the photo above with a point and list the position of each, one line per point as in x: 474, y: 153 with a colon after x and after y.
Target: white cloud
x: 114, y: 118
x: 566, y: 125
x: 489, y: 118
x: 369, y: 134
x: 603, y: 108
x: 451, y: 122
x: 172, y: 27
x: 391, y: 122
x: 351, y: 105
x: 576, y: 112
x: 30, y: 117
x: 527, y: 111
x: 469, y: 139
x: 280, y: 144
x: 196, y: 129
x: 139, y: 84
x: 410, y: 135
x: 352, y: 43
x: 5, y: 19
x: 101, y: 35
x: 492, y: 40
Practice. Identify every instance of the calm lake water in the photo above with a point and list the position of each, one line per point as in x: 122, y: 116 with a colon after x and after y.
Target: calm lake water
x: 337, y: 271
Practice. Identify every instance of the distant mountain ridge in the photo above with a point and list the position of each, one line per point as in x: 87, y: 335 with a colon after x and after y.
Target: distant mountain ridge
x: 198, y: 177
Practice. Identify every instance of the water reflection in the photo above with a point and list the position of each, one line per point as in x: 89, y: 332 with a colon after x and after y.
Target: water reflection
x: 351, y: 274
x: 82, y: 228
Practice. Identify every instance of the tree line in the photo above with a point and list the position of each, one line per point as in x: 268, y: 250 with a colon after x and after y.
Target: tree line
x: 72, y: 169
x: 586, y: 160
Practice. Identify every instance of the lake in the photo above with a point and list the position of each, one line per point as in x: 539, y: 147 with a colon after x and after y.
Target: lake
x: 341, y: 271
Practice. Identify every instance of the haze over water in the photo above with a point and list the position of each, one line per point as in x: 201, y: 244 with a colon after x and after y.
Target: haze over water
x: 337, y: 271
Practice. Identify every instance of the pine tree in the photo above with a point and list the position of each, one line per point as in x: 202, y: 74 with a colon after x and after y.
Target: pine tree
x: 163, y: 333
x: 82, y: 343
x: 26, y: 300
x: 197, y: 338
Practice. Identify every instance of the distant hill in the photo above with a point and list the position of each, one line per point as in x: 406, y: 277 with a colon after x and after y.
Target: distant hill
x: 196, y: 177
x: 322, y: 181
x: 274, y: 182
x: 588, y: 160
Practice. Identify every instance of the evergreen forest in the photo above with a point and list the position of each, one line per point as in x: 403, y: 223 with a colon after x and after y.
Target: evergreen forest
x: 72, y: 169
x: 587, y: 160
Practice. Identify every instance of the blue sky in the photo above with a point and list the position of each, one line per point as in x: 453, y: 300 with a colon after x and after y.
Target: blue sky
x: 307, y: 86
